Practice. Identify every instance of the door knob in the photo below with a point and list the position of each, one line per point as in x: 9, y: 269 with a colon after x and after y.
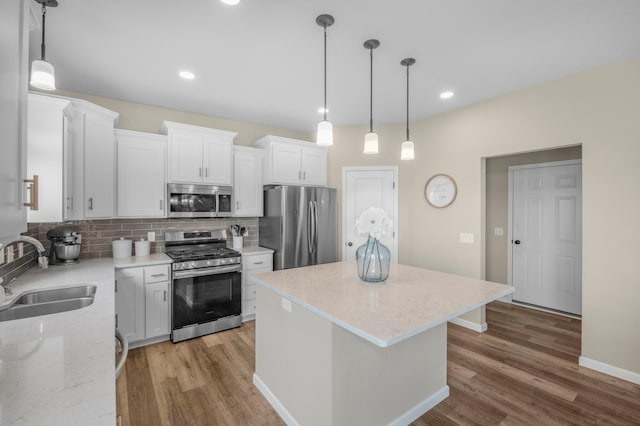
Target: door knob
x: 349, y: 243
x: 516, y: 242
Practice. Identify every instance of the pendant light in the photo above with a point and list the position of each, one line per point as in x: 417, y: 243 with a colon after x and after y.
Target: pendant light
x: 42, y: 72
x: 324, y: 136
x: 371, y: 138
x: 407, y: 152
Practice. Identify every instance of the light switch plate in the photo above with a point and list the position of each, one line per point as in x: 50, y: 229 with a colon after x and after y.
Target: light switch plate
x: 2, y: 256
x: 151, y: 236
x: 20, y: 250
x: 498, y: 231
x: 10, y: 254
x: 466, y: 238
x: 286, y: 304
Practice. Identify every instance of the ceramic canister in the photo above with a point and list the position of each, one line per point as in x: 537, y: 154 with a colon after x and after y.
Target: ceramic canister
x: 121, y: 248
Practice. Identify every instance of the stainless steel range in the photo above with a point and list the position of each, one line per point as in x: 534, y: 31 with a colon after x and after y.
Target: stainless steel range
x: 207, y: 283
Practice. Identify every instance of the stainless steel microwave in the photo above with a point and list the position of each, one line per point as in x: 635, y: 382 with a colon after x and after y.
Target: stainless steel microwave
x: 198, y: 200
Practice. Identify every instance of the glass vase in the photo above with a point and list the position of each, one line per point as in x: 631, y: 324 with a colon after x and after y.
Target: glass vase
x: 373, y: 260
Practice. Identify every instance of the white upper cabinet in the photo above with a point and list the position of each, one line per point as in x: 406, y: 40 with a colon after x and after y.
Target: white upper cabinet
x: 93, y: 160
x: 199, y: 154
x: 48, y: 155
x: 247, y: 181
x: 14, y: 21
x: 293, y: 162
x: 141, y: 174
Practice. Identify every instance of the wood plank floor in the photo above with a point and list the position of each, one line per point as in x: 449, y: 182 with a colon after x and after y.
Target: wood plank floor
x: 522, y: 371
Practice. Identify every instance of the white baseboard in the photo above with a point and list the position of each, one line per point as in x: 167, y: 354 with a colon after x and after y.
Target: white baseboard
x: 405, y: 419
x: 480, y: 328
x: 422, y: 407
x: 275, y: 402
x: 611, y: 370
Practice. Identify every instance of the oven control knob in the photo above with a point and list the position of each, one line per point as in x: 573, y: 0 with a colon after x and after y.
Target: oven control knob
x: 183, y: 266
x: 209, y: 263
x: 192, y: 264
x: 223, y: 261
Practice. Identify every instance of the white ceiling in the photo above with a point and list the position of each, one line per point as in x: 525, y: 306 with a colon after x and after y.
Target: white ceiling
x: 261, y: 61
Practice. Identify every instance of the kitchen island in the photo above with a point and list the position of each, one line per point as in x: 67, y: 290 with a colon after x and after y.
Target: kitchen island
x: 333, y: 350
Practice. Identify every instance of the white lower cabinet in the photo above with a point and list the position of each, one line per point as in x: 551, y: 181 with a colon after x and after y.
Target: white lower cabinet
x: 143, y: 303
x: 252, y: 263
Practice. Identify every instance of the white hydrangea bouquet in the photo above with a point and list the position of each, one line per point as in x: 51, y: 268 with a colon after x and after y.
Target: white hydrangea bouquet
x: 375, y: 222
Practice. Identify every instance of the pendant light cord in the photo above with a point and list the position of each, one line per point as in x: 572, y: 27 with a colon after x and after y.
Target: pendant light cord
x: 371, y: 92
x: 408, y: 102
x: 42, y: 47
x: 325, y: 73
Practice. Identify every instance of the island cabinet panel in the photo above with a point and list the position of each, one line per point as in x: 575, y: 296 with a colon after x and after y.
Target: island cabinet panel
x: 293, y: 162
x: 141, y: 174
x: 323, y: 374
x: 199, y: 155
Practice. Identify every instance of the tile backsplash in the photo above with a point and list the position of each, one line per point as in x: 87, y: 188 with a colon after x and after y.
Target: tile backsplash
x: 98, y: 234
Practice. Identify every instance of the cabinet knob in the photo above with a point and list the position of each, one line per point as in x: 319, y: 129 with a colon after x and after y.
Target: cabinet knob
x: 349, y: 243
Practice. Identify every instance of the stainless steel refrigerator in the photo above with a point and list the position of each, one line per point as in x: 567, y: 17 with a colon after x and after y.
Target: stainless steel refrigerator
x: 300, y: 225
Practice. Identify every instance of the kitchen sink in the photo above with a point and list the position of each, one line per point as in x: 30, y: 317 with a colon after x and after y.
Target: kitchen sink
x: 44, y: 302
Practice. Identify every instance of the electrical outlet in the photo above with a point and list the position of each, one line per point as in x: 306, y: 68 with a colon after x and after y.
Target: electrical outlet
x: 20, y: 250
x: 466, y: 238
x: 286, y: 304
x: 151, y: 236
x: 498, y: 232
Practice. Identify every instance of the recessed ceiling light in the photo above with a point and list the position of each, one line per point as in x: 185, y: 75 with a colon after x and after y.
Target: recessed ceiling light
x: 446, y: 95
x: 187, y: 75
x: 321, y: 110
x: 231, y: 2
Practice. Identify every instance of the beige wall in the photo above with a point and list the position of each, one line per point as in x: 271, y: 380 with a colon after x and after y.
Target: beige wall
x: 597, y: 108
x: 147, y: 118
x: 497, y: 204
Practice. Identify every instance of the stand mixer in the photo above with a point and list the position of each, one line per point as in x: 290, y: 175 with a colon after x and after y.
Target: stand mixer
x: 65, y: 246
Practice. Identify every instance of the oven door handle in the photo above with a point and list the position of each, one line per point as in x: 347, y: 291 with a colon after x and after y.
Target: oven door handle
x: 206, y: 271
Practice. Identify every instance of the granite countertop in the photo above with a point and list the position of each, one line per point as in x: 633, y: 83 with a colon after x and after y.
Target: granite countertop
x: 59, y: 369
x: 411, y: 301
x: 133, y: 261
x: 248, y: 251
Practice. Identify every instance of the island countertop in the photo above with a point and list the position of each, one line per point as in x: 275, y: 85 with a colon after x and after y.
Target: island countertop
x: 411, y: 301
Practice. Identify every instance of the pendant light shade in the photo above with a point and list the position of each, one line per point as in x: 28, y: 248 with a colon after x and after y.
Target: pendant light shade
x: 42, y: 72
x: 371, y: 138
x: 407, y: 152
x: 324, y: 135
x: 42, y: 75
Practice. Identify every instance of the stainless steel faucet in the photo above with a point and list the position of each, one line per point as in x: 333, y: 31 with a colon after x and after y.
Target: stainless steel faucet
x: 43, y: 260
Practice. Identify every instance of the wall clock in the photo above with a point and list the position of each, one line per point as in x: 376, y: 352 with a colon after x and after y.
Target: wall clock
x: 440, y: 191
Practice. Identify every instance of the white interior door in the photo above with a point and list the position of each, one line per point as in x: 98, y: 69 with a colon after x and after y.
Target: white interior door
x: 364, y: 187
x: 546, y: 234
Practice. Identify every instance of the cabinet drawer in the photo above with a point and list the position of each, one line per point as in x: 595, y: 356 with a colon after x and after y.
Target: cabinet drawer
x: 257, y: 261
x: 248, y: 307
x: 249, y: 292
x: 154, y: 274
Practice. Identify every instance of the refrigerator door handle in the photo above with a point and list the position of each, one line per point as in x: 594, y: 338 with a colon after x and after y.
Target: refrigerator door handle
x: 310, y: 226
x: 315, y: 226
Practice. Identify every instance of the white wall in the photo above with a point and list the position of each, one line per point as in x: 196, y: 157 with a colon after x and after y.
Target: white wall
x: 597, y: 108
